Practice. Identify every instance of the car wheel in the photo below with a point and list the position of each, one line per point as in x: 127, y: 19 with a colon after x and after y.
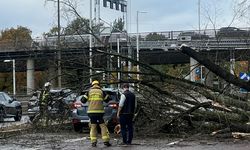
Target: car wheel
x: 18, y: 116
x: 77, y: 128
x: 111, y: 129
x: 31, y: 118
x: 1, y: 115
x: 111, y: 126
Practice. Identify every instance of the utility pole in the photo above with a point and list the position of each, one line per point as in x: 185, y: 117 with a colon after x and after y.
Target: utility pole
x: 90, y: 43
x: 199, y: 15
x: 137, y: 42
x: 59, y: 46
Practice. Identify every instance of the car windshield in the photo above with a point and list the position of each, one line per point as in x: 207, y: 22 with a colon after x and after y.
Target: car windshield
x: 66, y: 94
x: 7, y: 97
x: 113, y: 95
x: 2, y: 97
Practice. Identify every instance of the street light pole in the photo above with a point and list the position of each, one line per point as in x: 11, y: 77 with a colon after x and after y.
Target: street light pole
x: 90, y: 42
x: 199, y: 15
x: 14, y: 75
x: 59, y: 46
x: 137, y: 42
x: 118, y: 62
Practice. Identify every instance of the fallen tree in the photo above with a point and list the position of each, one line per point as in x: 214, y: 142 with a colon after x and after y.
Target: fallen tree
x: 180, y: 104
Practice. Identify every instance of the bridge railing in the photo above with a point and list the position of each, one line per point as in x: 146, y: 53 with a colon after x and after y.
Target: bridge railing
x: 167, y: 40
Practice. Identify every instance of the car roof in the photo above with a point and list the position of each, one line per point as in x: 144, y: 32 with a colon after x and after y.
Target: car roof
x: 59, y: 90
x: 110, y: 89
x: 3, y: 93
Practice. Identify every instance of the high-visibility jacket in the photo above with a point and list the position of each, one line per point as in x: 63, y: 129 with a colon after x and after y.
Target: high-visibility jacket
x: 45, y: 97
x: 95, y: 99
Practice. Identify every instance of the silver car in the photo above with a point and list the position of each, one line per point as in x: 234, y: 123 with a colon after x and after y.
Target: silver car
x: 60, y: 99
x: 9, y: 107
x: 80, y: 117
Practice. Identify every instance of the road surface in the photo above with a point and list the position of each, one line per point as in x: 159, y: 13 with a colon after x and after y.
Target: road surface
x: 69, y: 140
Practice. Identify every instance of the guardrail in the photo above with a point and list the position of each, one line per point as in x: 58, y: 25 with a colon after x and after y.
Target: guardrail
x: 24, y: 99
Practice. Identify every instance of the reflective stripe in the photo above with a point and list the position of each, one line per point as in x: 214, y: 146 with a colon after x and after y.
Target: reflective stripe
x: 95, y: 111
x: 106, y: 97
x: 95, y: 98
x: 44, y: 97
x: 96, y: 106
x: 93, y: 138
x: 105, y: 137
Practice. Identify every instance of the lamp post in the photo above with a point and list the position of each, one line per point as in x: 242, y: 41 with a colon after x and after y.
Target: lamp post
x: 59, y: 46
x: 14, y: 74
x: 199, y: 15
x: 118, y: 59
x: 90, y: 42
x: 137, y: 41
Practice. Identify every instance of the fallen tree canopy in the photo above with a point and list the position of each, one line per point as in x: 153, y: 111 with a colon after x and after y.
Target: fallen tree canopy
x: 227, y: 76
x: 172, y: 104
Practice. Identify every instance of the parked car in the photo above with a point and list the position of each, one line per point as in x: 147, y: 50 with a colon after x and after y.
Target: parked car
x: 9, y: 107
x: 80, y: 117
x: 62, y: 98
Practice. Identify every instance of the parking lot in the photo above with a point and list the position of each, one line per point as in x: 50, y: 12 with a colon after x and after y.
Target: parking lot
x: 10, y: 123
x: 74, y: 141
x: 68, y: 139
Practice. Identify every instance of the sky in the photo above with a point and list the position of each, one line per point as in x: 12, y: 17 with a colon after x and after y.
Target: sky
x: 161, y: 15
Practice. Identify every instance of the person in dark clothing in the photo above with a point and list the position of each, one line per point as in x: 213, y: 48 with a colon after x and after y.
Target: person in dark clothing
x: 125, y: 114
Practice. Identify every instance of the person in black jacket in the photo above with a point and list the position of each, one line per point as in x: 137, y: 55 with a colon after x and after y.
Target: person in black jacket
x: 125, y: 114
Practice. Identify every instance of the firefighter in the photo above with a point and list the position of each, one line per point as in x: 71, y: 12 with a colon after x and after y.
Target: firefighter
x: 95, y: 97
x: 45, y: 99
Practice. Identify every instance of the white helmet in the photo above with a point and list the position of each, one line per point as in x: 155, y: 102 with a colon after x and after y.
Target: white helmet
x: 47, y: 84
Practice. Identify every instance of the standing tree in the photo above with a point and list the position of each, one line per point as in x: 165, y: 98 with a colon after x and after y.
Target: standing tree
x: 155, y: 37
x: 118, y: 25
x: 12, y: 34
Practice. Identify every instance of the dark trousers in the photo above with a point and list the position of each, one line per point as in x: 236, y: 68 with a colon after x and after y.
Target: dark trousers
x: 126, y: 122
x: 96, y: 118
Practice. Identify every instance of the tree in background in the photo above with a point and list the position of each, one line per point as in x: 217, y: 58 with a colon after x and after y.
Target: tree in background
x: 12, y: 34
x: 155, y: 37
x: 52, y: 32
x: 77, y: 26
x: 118, y: 25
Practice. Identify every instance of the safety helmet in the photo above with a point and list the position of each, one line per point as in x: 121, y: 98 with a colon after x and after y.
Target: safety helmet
x: 47, y: 84
x: 95, y: 82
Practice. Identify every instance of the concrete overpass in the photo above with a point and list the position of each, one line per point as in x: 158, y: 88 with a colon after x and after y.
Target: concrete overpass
x: 36, y: 57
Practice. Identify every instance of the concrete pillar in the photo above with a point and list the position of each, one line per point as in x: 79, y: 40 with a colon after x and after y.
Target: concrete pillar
x: 193, y: 65
x: 30, y: 76
x: 52, y: 74
x: 209, y: 79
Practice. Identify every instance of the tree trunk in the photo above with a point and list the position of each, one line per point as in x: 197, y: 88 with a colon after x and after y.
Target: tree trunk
x: 227, y: 76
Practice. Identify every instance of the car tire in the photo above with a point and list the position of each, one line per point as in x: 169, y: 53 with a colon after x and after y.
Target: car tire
x: 31, y: 118
x: 77, y: 127
x: 1, y: 115
x: 18, y: 116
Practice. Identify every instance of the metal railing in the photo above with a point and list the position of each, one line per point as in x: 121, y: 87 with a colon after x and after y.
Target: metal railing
x: 168, y: 40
